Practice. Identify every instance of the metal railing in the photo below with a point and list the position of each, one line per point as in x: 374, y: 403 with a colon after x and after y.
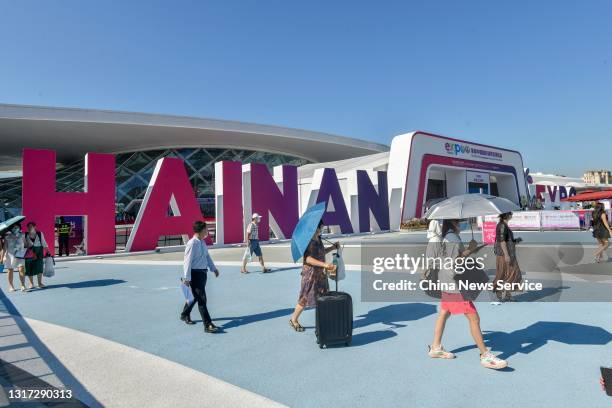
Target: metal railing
x: 122, y: 234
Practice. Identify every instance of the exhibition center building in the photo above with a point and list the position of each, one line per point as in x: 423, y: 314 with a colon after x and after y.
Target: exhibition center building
x: 138, y: 140
x: 415, y: 171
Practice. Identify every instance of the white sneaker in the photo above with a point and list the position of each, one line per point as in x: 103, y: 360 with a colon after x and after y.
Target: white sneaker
x: 488, y: 360
x: 440, y: 353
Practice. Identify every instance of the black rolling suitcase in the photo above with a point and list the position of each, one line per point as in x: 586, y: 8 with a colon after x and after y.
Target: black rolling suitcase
x: 334, y: 318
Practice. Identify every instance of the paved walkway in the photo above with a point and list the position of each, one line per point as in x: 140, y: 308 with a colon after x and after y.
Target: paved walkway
x: 554, y: 349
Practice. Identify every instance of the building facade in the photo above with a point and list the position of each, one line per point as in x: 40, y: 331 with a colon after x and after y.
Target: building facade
x: 597, y: 177
x: 138, y: 140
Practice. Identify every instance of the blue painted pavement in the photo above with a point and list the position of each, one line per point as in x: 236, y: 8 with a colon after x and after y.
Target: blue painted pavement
x: 554, y: 349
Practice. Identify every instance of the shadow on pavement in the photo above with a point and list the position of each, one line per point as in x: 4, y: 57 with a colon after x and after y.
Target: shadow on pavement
x: 392, y: 315
x: 362, y: 339
x: 539, y: 334
x: 26, y: 362
x: 553, y: 293
x: 254, y: 318
x: 86, y: 284
x: 286, y: 268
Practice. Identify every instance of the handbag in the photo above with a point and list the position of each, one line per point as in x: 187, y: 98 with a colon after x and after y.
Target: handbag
x: 432, y: 276
x: 472, y: 275
x: 497, y: 250
x: 49, y: 267
x: 20, y: 253
x: 340, y: 272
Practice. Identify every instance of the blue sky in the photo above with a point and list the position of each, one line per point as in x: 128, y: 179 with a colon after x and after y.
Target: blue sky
x: 535, y: 76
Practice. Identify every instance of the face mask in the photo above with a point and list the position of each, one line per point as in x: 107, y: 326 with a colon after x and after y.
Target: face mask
x: 15, y: 229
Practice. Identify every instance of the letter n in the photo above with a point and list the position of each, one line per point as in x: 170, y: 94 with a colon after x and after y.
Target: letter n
x: 274, y: 198
x: 369, y: 203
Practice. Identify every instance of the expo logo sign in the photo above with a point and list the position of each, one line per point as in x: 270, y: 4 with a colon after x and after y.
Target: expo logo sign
x: 456, y: 148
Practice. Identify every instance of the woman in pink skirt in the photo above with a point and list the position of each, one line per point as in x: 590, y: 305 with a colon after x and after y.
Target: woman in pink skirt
x: 452, y: 301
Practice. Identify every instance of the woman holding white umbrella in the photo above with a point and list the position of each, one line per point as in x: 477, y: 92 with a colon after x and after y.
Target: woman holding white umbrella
x: 452, y: 301
x: 451, y: 211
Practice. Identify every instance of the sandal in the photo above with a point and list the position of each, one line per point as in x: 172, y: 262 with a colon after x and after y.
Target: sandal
x: 296, y: 326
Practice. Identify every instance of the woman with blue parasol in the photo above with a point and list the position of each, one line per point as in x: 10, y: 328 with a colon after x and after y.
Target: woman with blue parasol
x: 306, y: 243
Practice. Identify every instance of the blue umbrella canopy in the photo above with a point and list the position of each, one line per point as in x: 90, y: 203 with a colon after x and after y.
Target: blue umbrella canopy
x: 8, y: 224
x: 305, y: 229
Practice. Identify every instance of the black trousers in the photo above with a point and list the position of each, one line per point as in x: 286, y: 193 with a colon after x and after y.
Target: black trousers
x: 198, y: 289
x: 64, y: 243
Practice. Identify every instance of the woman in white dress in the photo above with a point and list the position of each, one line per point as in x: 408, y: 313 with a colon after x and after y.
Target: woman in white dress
x: 14, y: 249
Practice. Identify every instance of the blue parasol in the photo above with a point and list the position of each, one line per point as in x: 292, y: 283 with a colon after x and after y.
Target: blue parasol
x: 8, y: 224
x: 305, y: 229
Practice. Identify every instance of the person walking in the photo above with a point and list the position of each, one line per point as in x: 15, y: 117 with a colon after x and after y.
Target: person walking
x: 314, y: 279
x: 12, y: 248
x: 36, y: 250
x: 64, y: 229
x: 601, y: 231
x: 197, y: 262
x: 433, y: 255
x: 452, y: 302
x: 253, y: 247
x: 538, y: 204
x: 434, y: 240
x: 507, y: 267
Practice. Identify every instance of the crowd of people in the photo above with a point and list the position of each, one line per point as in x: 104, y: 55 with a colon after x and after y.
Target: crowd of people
x: 444, y: 241
x: 24, y: 252
x: 315, y: 270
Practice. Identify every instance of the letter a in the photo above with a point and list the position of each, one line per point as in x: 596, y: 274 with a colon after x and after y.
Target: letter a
x: 169, y: 188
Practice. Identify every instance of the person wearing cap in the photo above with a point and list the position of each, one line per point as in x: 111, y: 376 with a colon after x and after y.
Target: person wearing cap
x: 252, y: 236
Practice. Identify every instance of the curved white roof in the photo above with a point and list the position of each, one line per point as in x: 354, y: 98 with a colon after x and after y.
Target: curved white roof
x: 73, y: 132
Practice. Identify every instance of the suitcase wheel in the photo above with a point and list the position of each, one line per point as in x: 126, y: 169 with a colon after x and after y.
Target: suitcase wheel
x: 320, y: 345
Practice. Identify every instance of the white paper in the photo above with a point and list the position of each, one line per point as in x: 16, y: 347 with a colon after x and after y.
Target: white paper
x: 187, y: 292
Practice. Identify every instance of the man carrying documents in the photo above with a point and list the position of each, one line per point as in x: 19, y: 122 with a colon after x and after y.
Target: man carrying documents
x: 196, y: 264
